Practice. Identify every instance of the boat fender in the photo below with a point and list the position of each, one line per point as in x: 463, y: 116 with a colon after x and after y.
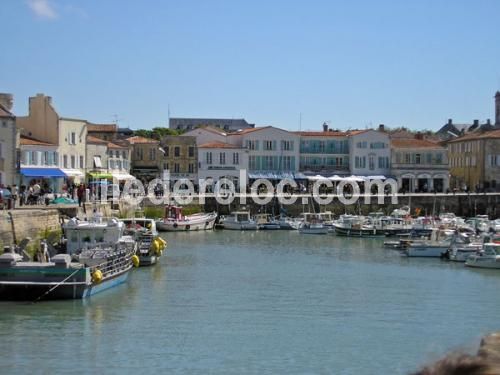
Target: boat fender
x: 97, y: 276
x: 188, y: 227
x: 163, y: 242
x: 175, y: 225
x: 206, y: 223
x: 135, y: 260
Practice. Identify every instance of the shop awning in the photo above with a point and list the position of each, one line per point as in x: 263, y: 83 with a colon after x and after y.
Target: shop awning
x: 271, y: 175
x: 123, y: 176
x: 72, y: 172
x: 42, y: 172
x: 100, y: 175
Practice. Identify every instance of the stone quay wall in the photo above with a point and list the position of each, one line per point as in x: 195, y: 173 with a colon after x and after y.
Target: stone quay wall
x: 18, y: 224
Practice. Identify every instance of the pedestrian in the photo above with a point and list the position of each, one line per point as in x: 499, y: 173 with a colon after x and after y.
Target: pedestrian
x: 14, y: 196
x: 80, y: 193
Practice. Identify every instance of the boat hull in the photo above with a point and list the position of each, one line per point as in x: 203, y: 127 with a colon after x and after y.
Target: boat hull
x: 356, y: 232
x: 184, y: 226
x: 240, y: 226
x: 323, y: 230
x: 425, y: 251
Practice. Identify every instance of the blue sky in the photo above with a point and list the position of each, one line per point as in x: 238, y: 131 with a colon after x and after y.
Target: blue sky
x: 356, y: 64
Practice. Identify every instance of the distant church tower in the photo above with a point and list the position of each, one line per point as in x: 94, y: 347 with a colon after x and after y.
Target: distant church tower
x: 497, y: 108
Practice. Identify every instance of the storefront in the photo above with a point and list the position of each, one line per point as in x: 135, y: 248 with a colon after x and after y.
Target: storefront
x: 49, y: 179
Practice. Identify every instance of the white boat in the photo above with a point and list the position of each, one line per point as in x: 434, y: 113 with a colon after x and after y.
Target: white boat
x: 175, y: 221
x: 328, y: 221
x: 312, y: 224
x: 288, y: 223
x: 355, y: 226
x: 438, y: 244
x: 462, y: 246
x: 488, y: 257
x: 239, y: 220
x: 266, y: 222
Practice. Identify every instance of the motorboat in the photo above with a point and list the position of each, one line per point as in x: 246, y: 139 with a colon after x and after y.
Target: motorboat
x: 239, y: 220
x: 328, y: 221
x: 488, y: 257
x: 462, y: 246
x: 266, y: 222
x: 175, y: 221
x: 150, y: 244
x: 437, y: 245
x: 288, y: 223
x: 312, y: 224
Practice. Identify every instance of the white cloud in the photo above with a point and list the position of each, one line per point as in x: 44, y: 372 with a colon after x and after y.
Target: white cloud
x: 42, y: 8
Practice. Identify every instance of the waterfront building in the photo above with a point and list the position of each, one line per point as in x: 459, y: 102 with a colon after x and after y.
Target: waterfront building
x: 107, y: 160
x: 273, y: 153
x: 218, y: 160
x: 40, y: 162
x: 45, y: 125
x: 475, y: 161
x: 178, y: 158
x: 144, y: 158
x: 370, y: 152
x: 9, y: 142
x: 324, y: 152
x: 229, y: 125
x: 419, y: 165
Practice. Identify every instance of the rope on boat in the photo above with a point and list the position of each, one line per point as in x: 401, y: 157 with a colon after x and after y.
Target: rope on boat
x: 55, y: 286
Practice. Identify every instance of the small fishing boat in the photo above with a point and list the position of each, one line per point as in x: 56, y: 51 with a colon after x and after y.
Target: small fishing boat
x: 239, y: 220
x: 97, y: 257
x: 488, y: 257
x: 355, y: 226
x: 312, y: 224
x: 175, y: 221
x: 150, y: 244
x: 462, y: 246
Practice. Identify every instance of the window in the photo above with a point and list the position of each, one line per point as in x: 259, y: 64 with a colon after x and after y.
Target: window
x: 124, y: 155
x: 268, y: 145
x: 55, y: 158
x: 371, y: 162
x: 177, y: 151
x: 72, y: 138
x: 361, y: 144
x: 166, y: 150
x: 252, y: 162
x: 287, y: 163
x: 268, y: 163
x: 417, y: 158
x: 81, y: 162
x: 73, y: 161
x: 439, y: 158
x: 222, y: 158
x: 287, y: 145
x: 209, y: 157
x: 252, y: 145
x: 117, y: 154
x: 407, y: 158
x: 152, y: 154
x: 377, y: 145
x: 45, y: 158
x: 429, y: 158
x: 176, y: 168
x: 191, y: 151
x: 383, y: 162
x: 191, y: 168
x: 65, y: 161
x: 236, y: 158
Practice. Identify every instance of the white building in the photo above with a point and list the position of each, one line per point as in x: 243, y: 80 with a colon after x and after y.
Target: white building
x: 370, y: 153
x: 420, y: 165
x: 218, y: 160
x: 207, y: 134
x: 273, y: 153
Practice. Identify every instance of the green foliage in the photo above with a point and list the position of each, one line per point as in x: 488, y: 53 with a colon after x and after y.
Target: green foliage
x: 156, y: 132
x: 155, y: 212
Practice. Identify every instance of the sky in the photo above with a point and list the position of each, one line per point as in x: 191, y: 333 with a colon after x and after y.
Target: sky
x: 290, y: 64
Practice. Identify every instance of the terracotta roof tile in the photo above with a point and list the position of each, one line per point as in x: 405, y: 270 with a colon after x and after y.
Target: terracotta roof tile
x: 28, y: 141
x: 250, y: 130
x: 477, y: 135
x: 321, y: 134
x: 108, y: 128
x: 94, y: 140
x: 414, y: 143
x: 217, y: 145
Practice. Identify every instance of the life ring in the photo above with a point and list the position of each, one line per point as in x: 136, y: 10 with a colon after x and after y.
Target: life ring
x: 207, y: 223
x: 188, y: 227
x: 175, y: 225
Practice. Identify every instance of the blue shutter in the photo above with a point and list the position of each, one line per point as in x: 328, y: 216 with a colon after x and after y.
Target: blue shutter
x: 292, y: 163
x: 256, y: 145
x: 274, y: 145
x: 257, y: 162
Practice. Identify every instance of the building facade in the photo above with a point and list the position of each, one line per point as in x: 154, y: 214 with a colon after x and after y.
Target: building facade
x: 178, y: 158
x: 229, y: 125
x: 218, y: 160
x: 9, y: 142
x: 419, y: 165
x: 370, y: 152
x: 144, y: 158
x: 325, y: 153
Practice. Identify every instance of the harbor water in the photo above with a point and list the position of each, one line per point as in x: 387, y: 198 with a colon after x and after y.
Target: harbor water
x: 228, y: 302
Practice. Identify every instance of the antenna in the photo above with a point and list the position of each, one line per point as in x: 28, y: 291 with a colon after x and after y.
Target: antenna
x: 300, y: 121
x: 168, y: 114
x: 116, y: 118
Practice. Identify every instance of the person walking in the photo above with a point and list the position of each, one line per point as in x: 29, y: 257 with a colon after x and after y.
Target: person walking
x: 80, y: 193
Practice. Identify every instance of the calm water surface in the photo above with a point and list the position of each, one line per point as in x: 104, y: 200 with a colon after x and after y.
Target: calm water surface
x: 262, y: 302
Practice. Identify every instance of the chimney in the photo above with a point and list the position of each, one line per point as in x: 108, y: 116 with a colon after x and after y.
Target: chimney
x: 7, y: 100
x: 381, y: 128
x: 488, y: 122
x: 450, y: 121
x: 476, y: 123
x: 419, y: 135
x: 325, y: 127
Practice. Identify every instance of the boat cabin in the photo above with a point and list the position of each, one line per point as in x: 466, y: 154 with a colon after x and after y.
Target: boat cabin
x: 85, y: 234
